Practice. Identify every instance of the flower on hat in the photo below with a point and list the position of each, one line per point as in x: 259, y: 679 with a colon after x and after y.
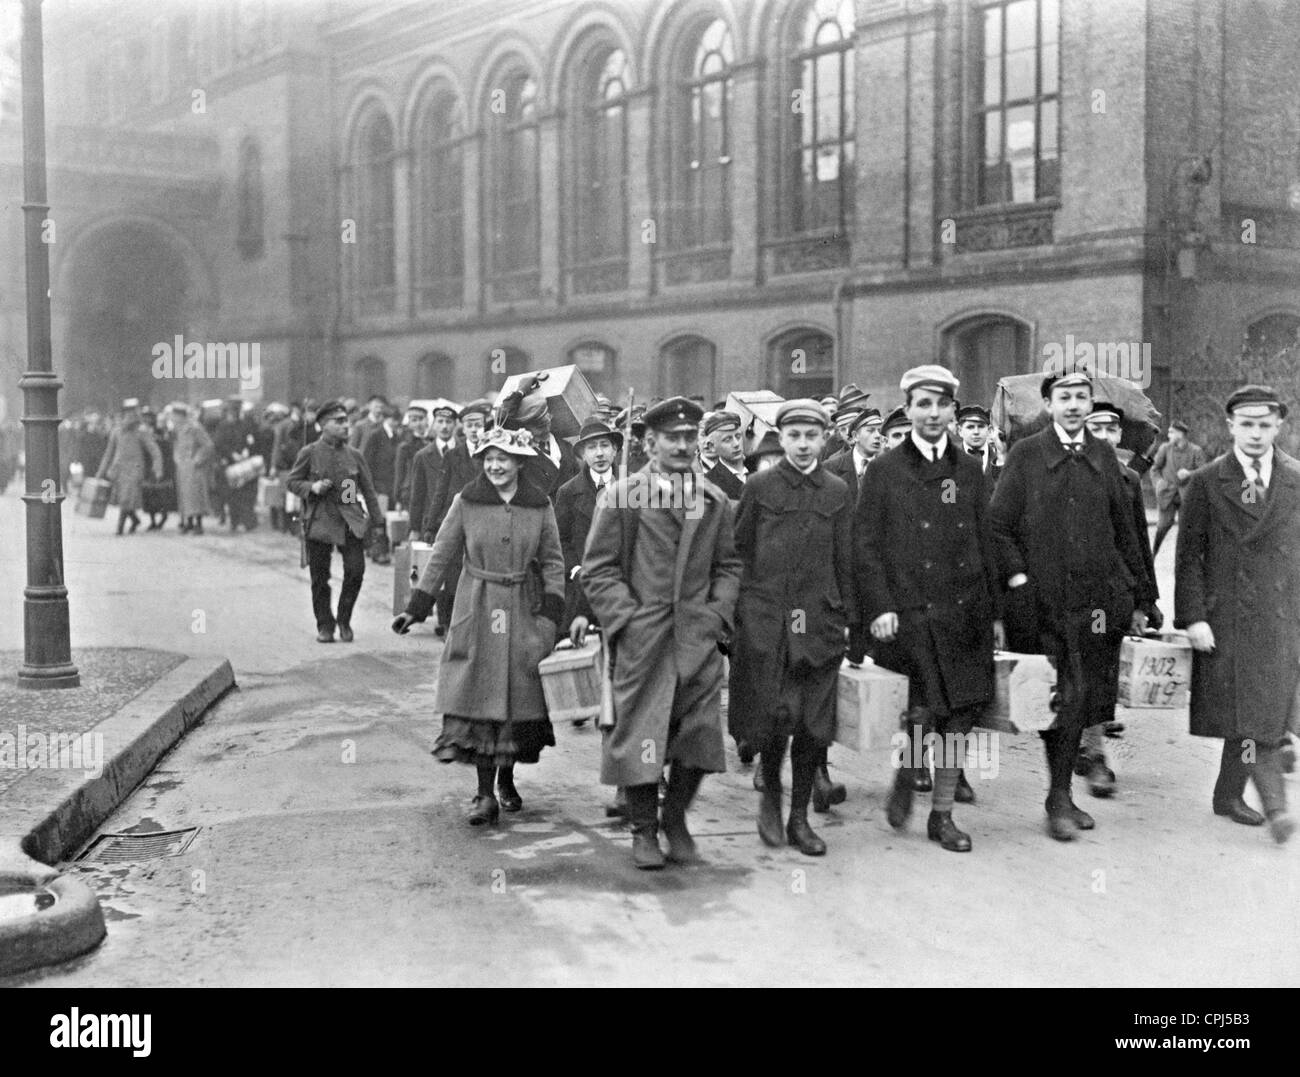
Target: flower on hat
x: 516, y: 442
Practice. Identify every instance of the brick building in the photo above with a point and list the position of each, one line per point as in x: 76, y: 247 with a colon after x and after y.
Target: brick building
x: 690, y: 196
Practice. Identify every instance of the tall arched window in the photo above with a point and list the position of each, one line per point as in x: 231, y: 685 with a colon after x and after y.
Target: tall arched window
x: 982, y: 349
x: 369, y: 378
x: 373, y: 175
x: 700, y: 176
x: 250, y: 236
x: 434, y: 377
x: 801, y: 363
x: 817, y: 176
x: 686, y: 367
x: 596, y: 361
x: 599, y: 139
x: 439, y: 213
x: 512, y: 182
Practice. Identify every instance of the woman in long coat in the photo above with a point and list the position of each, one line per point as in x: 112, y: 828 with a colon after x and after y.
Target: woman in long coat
x: 125, y: 466
x: 193, y: 453
x: 504, y: 622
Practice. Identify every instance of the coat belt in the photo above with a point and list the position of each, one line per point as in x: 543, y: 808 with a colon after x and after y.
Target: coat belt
x: 508, y: 579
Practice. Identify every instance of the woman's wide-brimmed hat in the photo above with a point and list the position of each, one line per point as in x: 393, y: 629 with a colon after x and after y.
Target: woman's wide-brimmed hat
x: 514, y: 442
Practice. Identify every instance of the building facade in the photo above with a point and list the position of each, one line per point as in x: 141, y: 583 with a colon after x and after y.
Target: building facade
x: 419, y: 198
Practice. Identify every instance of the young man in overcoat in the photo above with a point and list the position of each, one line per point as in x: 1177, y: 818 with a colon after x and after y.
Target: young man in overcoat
x: 661, y: 573
x: 1070, y: 559
x: 927, y: 577
x: 1237, y: 593
x: 794, y: 535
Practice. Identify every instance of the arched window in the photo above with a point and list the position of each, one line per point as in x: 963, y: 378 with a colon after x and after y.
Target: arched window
x: 700, y: 154
x: 817, y: 174
x: 982, y: 349
x: 250, y: 236
x: 596, y: 361
x: 435, y: 376
x: 373, y: 178
x: 369, y: 378
x: 801, y: 363
x: 439, y: 211
x: 686, y: 367
x: 1273, y: 334
x: 504, y: 361
x: 512, y: 179
x: 599, y: 139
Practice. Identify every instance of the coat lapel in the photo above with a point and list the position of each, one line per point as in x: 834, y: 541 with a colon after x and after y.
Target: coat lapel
x: 1232, y: 485
x: 1282, y: 489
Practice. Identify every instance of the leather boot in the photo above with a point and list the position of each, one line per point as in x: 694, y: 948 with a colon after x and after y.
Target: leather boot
x: 964, y: 794
x: 683, y: 783
x: 618, y: 809
x: 899, y: 806
x: 802, y: 836
x: 1061, y: 824
x: 769, y: 804
x: 942, y: 829
x: 643, y: 814
x: 826, y: 792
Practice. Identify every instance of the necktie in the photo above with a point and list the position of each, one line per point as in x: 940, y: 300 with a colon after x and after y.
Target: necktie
x: 1257, y: 481
x: 975, y: 452
x: 934, y: 454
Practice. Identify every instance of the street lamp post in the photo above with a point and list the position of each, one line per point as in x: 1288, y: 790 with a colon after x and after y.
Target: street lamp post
x: 47, y: 646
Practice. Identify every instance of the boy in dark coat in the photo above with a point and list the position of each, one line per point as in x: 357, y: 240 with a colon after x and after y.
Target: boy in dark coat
x: 927, y: 577
x: 1069, y: 555
x: 794, y: 535
x: 575, y: 508
x: 1237, y: 592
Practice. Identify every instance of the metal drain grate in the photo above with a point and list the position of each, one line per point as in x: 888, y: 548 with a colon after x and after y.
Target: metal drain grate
x: 127, y: 848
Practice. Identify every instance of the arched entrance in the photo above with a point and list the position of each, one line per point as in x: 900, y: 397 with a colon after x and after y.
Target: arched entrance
x: 127, y: 286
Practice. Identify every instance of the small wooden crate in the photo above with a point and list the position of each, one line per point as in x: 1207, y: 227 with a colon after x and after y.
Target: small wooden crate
x: 1024, y: 694
x: 571, y: 680
x: 399, y: 526
x: 270, y: 493
x: 1155, y: 673
x: 408, y: 565
x: 92, y: 498
x: 869, y: 706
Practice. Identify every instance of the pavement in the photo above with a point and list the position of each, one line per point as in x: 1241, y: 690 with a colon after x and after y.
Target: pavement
x: 331, y: 849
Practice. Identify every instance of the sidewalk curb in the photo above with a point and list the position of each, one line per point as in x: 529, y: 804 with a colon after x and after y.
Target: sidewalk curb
x: 57, y: 810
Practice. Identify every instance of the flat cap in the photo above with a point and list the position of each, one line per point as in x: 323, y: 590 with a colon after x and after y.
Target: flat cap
x: 1064, y: 379
x: 803, y: 410
x: 445, y: 409
x: 721, y: 420
x: 419, y: 409
x: 1258, y: 396
x: 1105, y: 407
x: 673, y: 414
x: 865, y: 417
x: 973, y: 413
x: 897, y: 417
x: 329, y: 408
x: 930, y: 376
x: 476, y: 407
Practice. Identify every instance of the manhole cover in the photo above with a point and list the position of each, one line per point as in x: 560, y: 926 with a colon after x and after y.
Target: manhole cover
x: 125, y: 848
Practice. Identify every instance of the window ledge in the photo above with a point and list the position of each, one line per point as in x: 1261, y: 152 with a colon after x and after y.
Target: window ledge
x: 1005, y: 226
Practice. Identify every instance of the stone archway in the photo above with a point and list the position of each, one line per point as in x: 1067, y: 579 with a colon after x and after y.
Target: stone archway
x: 125, y: 286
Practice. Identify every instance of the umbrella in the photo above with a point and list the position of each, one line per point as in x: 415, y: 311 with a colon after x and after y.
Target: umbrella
x: 1018, y: 408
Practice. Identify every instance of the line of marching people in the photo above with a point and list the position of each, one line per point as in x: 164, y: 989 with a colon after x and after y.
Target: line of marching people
x: 913, y: 538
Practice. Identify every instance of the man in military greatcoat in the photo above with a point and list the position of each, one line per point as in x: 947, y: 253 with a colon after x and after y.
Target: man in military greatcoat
x: 794, y: 535
x: 927, y: 577
x: 661, y: 573
x: 1070, y: 559
x: 1237, y: 593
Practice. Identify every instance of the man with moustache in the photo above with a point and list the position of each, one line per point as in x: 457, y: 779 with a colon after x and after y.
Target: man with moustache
x: 1070, y: 558
x: 1237, y: 593
x: 927, y: 577
x: 661, y: 573
x: 794, y: 535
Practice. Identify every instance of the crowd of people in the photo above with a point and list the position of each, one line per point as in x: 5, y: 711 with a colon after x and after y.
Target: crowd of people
x: 710, y: 550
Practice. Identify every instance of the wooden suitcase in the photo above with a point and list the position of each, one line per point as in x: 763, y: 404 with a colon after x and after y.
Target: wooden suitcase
x: 1155, y: 673
x: 1024, y: 695
x: 408, y: 563
x: 92, y: 498
x: 270, y: 493
x: 572, y: 678
x: 869, y: 708
x: 569, y: 398
x: 399, y: 526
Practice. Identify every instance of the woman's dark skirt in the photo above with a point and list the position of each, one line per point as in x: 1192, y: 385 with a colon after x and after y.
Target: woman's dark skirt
x: 480, y: 742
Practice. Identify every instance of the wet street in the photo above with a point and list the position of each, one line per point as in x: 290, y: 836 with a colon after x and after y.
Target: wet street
x: 331, y: 848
